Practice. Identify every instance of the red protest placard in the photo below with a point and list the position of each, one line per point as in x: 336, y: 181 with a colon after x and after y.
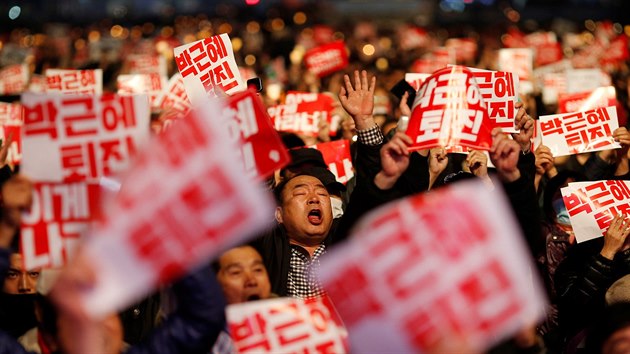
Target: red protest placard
x: 146, y: 64
x: 323, y: 34
x: 593, y: 205
x: 152, y: 84
x: 13, y: 79
x: 326, y: 59
x: 205, y: 204
x: 207, y: 65
x: 301, y: 113
x: 499, y: 90
x: 616, y: 52
x: 519, y: 61
x: 11, y: 122
x: 337, y: 156
x: 449, y: 110
x: 174, y: 97
x: 287, y: 325
x: 248, y: 125
x: 584, y: 101
x: 70, y: 138
x: 573, y: 133
x: 75, y: 81
x: 416, y: 79
x: 467, y: 275
x: 59, y: 216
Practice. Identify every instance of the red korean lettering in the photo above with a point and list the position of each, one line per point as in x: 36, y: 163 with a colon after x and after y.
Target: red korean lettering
x: 552, y: 126
x: 595, y: 116
x: 426, y: 92
x: 292, y: 331
x: 83, y: 123
x: 185, y: 64
x: 604, y: 218
x: 574, y: 121
x: 112, y: 149
x: 501, y: 109
x: 70, y: 80
x: 148, y: 243
x: 54, y: 82
x: 489, y: 286
x: 351, y: 283
x: 41, y: 119
x: 577, y: 203
x: 619, y: 189
x: 503, y: 84
x: 215, y: 48
x: 201, y: 61
x: 118, y: 110
x: 78, y: 162
x: 597, y: 135
x: 224, y: 76
x: 484, y: 81
x: 250, y: 334
x: 88, y: 77
x: 577, y: 141
x: 599, y: 199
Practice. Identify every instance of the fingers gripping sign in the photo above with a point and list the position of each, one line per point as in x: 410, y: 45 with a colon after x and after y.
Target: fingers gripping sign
x: 504, y: 155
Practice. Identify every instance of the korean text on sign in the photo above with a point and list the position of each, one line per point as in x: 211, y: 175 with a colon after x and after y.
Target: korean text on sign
x: 249, y: 128
x: 204, y: 205
x: 13, y: 79
x: 573, y: 133
x: 208, y: 65
x: 337, y: 156
x: 287, y: 325
x: 449, y: 110
x: 592, y: 206
x: 327, y: 59
x: 75, y: 81
x: 303, y: 112
x: 77, y: 137
x: 59, y: 216
x: 466, y: 274
x: 499, y: 90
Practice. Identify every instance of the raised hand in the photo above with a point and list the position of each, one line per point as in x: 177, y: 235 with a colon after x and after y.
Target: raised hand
x: 504, y: 155
x: 358, y: 100
x: 615, y: 236
x: 544, y: 162
x: 477, y: 162
x: 394, y: 160
x: 525, y: 125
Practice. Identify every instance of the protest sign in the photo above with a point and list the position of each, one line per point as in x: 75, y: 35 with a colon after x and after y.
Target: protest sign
x: 412, y: 37
x: 287, y: 325
x: 151, y: 84
x: 207, y: 65
x: 174, y: 97
x: 259, y: 146
x: 518, y: 61
x: 11, y: 122
x: 13, y: 79
x: 301, y: 113
x: 580, y: 80
x: 337, y: 156
x: 70, y: 138
x: 499, y: 91
x: 435, y: 60
x: 584, y: 101
x: 326, y: 59
x: 449, y: 110
x: 75, y: 81
x: 573, y: 133
x: 59, y: 217
x: 465, y: 48
x: 146, y: 64
x: 415, y: 80
x: 466, y: 274
x: 37, y: 84
x: 592, y: 206
x: 204, y: 205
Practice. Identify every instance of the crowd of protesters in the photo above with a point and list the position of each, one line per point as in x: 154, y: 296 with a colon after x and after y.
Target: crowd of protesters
x: 589, y: 307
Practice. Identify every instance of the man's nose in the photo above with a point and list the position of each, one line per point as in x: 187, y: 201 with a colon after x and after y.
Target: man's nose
x: 24, y: 285
x: 313, y: 199
x: 250, y: 279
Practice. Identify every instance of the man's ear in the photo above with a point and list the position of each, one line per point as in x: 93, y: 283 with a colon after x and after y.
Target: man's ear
x: 279, y: 215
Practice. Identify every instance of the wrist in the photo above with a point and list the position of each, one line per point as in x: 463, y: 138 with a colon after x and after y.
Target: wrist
x: 552, y: 172
x: 363, y: 122
x: 509, y: 176
x: 384, y: 181
x: 608, y: 254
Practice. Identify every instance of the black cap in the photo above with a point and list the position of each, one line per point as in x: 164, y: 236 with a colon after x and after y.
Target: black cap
x: 306, y: 157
